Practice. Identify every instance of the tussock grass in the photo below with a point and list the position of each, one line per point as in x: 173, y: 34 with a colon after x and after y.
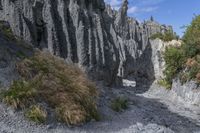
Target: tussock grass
x: 19, y: 96
x: 164, y: 84
x: 65, y: 88
x: 36, y: 113
x: 119, y: 104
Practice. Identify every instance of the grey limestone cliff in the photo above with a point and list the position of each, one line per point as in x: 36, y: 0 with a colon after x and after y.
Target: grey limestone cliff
x: 106, y: 43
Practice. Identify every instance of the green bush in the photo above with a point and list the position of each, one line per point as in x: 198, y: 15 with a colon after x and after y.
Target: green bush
x: 164, y: 84
x: 190, y: 50
x: 194, y: 70
x: 192, y: 34
x: 184, y: 77
x: 157, y: 35
x: 167, y: 36
x: 6, y: 30
x: 20, y: 95
x: 119, y: 104
x: 174, y: 59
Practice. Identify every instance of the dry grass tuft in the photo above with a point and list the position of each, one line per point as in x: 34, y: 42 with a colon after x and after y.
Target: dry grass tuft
x: 37, y: 114
x: 20, y: 95
x: 191, y: 62
x: 63, y: 87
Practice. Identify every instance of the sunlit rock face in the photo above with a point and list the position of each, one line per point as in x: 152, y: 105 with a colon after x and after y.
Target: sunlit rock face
x: 158, y: 48
x: 106, y: 43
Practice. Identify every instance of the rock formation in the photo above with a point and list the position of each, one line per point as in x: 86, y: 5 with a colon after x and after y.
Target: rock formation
x: 105, y: 42
x: 158, y: 48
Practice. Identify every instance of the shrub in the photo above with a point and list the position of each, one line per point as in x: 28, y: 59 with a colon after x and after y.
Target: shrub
x: 6, y: 30
x: 167, y: 36
x: 164, y: 84
x: 187, y: 57
x: 192, y: 34
x: 37, y: 114
x: 198, y: 77
x: 191, y: 38
x: 119, y: 104
x: 63, y: 87
x: 174, y: 59
x: 20, y: 95
x: 184, y: 77
x: 21, y: 54
x: 157, y: 35
x: 194, y: 70
x: 190, y: 50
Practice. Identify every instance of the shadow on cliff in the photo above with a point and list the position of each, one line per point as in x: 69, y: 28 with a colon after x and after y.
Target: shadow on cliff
x: 141, y: 70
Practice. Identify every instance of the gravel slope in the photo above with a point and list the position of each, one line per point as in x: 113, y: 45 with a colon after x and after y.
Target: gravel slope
x: 147, y: 113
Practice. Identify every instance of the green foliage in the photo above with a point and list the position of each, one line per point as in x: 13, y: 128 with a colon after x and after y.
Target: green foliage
x: 164, y: 84
x: 21, y: 54
x: 37, y: 114
x: 6, y: 30
x: 157, y: 35
x: 192, y: 34
x: 174, y: 59
x: 184, y: 77
x: 167, y: 36
x: 194, y: 70
x: 119, y: 104
x: 20, y: 95
x: 191, y: 38
x: 190, y: 50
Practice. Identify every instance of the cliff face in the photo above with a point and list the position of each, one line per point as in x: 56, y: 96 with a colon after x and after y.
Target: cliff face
x: 158, y: 48
x: 105, y: 42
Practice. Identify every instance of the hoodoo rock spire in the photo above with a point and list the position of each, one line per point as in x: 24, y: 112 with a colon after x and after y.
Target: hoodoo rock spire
x: 106, y: 43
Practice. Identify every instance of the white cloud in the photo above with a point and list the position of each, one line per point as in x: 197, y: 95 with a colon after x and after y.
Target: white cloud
x: 132, y: 10
x: 138, y: 6
x: 149, y: 9
x: 135, y: 9
x: 115, y: 4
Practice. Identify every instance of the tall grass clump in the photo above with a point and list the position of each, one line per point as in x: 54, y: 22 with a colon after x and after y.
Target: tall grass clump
x: 63, y: 87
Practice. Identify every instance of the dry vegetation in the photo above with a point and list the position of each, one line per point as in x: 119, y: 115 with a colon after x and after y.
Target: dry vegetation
x: 36, y: 113
x: 63, y: 87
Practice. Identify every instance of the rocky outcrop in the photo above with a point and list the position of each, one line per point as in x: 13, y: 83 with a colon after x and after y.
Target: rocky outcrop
x: 188, y: 92
x: 105, y: 42
x: 158, y: 48
x: 10, y: 53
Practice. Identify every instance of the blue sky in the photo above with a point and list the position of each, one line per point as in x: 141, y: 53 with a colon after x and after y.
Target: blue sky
x: 177, y: 13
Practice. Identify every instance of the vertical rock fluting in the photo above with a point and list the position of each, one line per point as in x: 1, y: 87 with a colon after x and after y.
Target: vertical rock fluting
x: 105, y: 42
